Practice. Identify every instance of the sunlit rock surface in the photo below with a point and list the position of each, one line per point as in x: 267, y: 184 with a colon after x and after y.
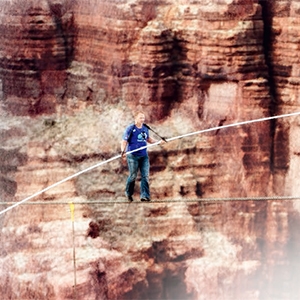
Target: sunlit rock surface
x: 71, y: 75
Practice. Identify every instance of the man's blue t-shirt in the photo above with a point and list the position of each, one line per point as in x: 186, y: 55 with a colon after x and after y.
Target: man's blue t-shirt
x: 136, y: 138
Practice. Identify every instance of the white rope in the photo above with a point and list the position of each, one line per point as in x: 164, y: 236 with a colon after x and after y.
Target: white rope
x: 71, y: 177
x: 234, y: 125
x: 148, y: 146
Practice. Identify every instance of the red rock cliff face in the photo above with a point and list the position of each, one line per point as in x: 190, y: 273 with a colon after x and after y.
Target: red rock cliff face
x: 72, y: 73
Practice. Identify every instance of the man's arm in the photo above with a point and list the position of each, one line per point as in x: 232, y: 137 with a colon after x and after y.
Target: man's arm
x: 150, y: 140
x: 123, y: 147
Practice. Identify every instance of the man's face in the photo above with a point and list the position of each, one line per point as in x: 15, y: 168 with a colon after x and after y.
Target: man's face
x: 140, y: 118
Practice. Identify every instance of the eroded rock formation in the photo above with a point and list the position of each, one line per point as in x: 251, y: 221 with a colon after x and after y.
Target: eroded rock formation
x: 72, y: 73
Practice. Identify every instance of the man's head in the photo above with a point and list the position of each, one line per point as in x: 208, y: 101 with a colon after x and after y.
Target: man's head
x: 139, y: 117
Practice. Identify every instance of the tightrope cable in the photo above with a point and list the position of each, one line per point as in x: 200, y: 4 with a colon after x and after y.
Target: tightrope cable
x: 147, y: 146
x: 187, y: 200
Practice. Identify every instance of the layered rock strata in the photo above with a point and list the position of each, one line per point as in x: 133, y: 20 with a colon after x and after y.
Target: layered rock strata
x: 72, y: 73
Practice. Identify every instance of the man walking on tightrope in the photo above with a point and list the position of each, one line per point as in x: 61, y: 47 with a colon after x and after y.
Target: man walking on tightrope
x: 136, y: 136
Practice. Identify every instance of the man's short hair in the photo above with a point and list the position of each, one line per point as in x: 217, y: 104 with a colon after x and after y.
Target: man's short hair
x: 136, y: 113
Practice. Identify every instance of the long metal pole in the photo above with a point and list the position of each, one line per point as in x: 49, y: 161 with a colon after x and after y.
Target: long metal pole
x: 144, y: 147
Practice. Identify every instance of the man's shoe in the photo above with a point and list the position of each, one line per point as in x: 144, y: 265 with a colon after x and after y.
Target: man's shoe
x: 129, y: 198
x: 144, y: 199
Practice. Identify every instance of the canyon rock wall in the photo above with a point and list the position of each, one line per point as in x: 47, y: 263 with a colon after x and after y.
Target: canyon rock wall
x: 71, y: 75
